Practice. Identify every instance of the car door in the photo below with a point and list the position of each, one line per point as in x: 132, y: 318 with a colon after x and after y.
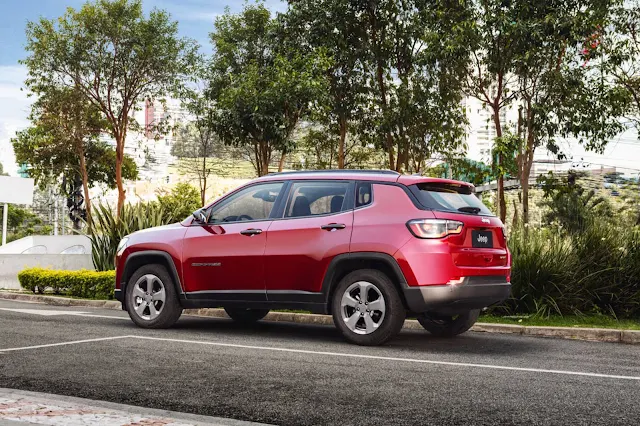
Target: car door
x: 316, y: 226
x: 223, y: 259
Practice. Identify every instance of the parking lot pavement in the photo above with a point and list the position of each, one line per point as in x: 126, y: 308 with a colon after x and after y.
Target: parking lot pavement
x: 299, y: 374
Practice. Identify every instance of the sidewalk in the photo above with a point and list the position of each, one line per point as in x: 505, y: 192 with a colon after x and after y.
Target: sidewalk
x: 22, y: 407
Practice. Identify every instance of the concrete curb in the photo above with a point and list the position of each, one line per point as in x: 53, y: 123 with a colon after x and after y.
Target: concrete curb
x: 575, y: 333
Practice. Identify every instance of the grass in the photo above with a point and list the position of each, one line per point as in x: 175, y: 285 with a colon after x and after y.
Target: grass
x: 592, y: 321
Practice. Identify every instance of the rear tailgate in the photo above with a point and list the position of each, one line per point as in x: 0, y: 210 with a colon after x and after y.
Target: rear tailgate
x: 482, y: 242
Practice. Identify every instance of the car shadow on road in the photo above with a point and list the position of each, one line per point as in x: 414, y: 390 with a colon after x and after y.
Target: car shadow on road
x: 412, y: 341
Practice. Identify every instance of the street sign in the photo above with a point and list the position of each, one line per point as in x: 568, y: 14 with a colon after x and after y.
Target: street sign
x: 16, y: 190
x: 13, y: 190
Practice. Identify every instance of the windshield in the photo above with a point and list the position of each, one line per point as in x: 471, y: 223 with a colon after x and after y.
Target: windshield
x: 449, y: 197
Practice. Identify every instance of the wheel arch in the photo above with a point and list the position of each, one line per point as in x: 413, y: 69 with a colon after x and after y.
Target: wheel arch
x: 343, y: 264
x: 140, y: 258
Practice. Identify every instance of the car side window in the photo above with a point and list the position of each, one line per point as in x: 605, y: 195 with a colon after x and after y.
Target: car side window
x: 252, y: 203
x: 316, y: 198
x: 364, y: 194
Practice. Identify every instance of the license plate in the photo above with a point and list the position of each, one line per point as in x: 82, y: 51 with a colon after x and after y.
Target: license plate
x: 482, y: 239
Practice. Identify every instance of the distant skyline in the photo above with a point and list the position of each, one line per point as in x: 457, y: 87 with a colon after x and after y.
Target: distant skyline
x: 195, y: 19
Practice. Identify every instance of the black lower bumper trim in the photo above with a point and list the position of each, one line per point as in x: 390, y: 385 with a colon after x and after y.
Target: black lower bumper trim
x: 472, y: 293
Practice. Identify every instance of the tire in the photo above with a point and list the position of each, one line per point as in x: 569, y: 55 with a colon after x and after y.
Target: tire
x: 447, y: 325
x: 152, y: 309
x: 246, y: 315
x: 383, y: 323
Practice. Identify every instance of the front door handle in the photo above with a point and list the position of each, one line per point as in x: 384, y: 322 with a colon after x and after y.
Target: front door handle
x: 251, y: 232
x: 332, y: 226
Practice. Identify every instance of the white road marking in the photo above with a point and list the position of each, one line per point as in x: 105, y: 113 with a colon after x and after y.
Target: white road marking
x: 74, y: 342
x: 43, y: 312
x: 386, y: 358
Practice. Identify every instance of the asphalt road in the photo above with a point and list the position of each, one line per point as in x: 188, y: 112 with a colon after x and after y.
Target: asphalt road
x: 307, y: 375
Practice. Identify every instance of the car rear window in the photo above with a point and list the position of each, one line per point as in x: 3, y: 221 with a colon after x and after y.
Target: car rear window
x: 450, y: 198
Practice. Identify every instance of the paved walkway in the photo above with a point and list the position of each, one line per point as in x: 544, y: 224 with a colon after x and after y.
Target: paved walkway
x: 19, y: 407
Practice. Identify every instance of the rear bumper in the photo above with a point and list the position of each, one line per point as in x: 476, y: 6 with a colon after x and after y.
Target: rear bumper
x: 473, y: 293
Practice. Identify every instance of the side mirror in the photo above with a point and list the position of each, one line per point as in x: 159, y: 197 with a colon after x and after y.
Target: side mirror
x: 200, y: 216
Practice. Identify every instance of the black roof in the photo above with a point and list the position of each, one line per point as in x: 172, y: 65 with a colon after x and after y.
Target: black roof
x: 330, y: 171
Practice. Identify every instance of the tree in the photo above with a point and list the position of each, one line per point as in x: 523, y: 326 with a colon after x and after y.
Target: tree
x: 493, y: 47
x: 319, y: 149
x: 70, y: 121
x: 114, y: 55
x: 22, y: 223
x: 417, y: 52
x: 620, y: 45
x: 198, y: 140
x: 199, y: 152
x: 261, y: 88
x: 53, y: 158
x: 336, y: 27
x: 561, y: 94
x: 2, y: 173
x: 462, y: 169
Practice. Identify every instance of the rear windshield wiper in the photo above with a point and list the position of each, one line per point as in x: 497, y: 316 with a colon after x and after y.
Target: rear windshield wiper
x: 469, y: 209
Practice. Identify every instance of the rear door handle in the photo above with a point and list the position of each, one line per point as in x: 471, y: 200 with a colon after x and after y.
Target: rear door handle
x: 251, y: 232
x: 332, y: 226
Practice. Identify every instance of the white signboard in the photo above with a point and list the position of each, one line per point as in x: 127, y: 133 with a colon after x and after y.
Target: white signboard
x: 15, y: 190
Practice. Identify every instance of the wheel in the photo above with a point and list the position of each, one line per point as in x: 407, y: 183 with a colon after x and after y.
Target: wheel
x: 151, y: 298
x: 367, y: 308
x: 246, y: 315
x: 448, y: 325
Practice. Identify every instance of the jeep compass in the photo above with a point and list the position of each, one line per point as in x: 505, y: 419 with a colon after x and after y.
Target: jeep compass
x: 368, y: 247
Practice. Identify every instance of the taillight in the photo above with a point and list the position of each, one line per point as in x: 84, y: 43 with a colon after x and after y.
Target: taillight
x: 434, y: 228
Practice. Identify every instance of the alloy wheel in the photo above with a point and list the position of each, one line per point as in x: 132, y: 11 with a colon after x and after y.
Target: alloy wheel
x: 362, y: 307
x: 149, y: 297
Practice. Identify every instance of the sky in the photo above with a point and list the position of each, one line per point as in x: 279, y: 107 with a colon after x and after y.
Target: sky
x: 195, y: 19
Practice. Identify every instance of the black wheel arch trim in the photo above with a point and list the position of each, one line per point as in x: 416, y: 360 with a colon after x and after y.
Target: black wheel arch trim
x: 329, y: 282
x: 128, y: 271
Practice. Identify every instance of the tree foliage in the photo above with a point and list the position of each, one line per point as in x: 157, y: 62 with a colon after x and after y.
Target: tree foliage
x: 197, y: 141
x: 52, y: 160
x: 262, y: 89
x: 114, y: 55
x: 178, y: 203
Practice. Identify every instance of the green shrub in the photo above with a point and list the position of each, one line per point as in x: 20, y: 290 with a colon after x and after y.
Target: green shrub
x: 180, y: 202
x: 554, y: 272
x: 107, y: 230
x: 82, y: 283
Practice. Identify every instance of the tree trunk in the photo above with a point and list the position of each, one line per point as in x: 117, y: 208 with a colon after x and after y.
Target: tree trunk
x: 203, y: 181
x: 502, y: 206
x: 373, y: 22
x: 263, y: 158
x: 85, y: 185
x: 281, y: 163
x: 524, y: 179
x: 527, y: 163
x: 343, y: 136
x: 119, y: 159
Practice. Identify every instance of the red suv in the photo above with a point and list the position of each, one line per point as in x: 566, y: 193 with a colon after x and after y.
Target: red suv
x: 368, y: 247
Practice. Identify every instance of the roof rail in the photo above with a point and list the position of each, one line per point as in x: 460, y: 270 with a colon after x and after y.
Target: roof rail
x: 386, y: 172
